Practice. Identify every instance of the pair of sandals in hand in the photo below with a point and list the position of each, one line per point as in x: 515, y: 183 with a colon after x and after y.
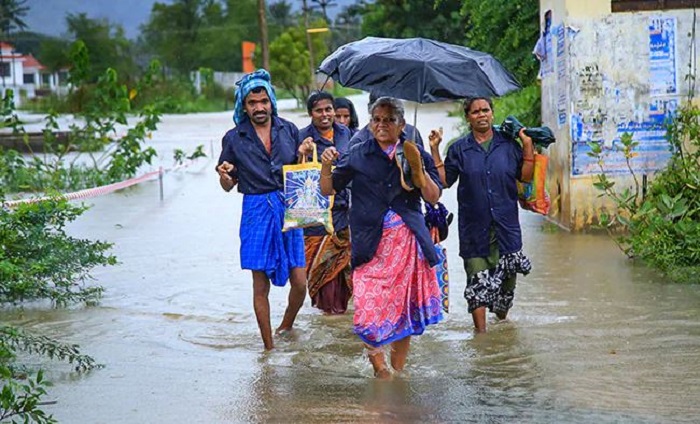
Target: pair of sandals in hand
x: 410, y: 162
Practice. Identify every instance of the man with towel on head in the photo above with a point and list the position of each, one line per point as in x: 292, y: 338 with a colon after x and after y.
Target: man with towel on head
x: 252, y: 157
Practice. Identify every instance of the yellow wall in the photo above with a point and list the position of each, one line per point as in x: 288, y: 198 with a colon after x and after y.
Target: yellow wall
x: 587, y: 8
x: 602, y: 79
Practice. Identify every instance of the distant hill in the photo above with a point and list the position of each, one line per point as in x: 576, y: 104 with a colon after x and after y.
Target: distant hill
x: 48, y: 16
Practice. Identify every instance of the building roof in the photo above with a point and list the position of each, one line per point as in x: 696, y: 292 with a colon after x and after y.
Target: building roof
x: 29, y: 62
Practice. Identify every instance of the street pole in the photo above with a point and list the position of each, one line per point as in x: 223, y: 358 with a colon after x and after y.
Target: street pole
x: 262, y: 22
x: 308, y: 44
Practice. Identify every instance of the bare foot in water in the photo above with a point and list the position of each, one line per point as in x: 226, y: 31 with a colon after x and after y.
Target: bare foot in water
x: 286, y: 333
x: 383, y: 373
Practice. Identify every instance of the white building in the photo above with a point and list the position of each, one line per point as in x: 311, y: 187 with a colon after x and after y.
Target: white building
x: 25, y: 74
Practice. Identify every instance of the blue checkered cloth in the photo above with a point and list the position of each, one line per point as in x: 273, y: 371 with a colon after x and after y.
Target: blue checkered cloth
x: 259, y: 78
x: 264, y: 247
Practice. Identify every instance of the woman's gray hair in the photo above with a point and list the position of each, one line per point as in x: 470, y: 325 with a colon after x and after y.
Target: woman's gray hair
x: 392, y: 103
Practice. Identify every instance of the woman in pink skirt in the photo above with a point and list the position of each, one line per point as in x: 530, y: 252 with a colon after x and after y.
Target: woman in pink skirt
x: 396, y: 292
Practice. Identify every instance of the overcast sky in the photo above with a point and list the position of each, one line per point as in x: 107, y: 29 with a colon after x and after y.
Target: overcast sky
x: 49, y: 16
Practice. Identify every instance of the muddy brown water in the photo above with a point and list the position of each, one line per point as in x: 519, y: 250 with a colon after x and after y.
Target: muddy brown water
x: 592, y: 337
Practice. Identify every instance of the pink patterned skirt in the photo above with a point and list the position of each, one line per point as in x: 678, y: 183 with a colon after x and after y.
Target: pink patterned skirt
x: 396, y: 294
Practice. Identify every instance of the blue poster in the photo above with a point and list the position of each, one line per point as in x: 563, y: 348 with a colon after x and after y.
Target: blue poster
x: 663, y: 78
x: 661, y: 111
x: 652, y: 153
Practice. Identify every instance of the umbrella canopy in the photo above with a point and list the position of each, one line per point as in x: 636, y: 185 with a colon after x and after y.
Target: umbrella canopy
x: 418, y: 69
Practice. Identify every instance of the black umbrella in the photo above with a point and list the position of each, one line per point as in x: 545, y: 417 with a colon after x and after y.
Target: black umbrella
x: 418, y: 69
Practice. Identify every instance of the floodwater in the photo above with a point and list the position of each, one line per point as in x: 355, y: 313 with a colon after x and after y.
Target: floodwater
x: 592, y: 337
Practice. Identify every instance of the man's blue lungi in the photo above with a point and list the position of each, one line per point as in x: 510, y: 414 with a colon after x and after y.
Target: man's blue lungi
x: 264, y: 247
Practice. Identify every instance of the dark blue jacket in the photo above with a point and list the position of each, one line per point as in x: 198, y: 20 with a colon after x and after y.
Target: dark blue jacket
x: 487, y: 194
x: 341, y: 202
x: 257, y: 171
x: 376, y: 187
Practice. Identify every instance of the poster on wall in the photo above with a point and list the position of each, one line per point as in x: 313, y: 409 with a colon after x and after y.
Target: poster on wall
x: 663, y: 76
x: 652, y: 153
x: 562, y: 83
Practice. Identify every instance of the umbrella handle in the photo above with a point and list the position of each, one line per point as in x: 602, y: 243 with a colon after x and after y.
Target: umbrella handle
x: 328, y: 77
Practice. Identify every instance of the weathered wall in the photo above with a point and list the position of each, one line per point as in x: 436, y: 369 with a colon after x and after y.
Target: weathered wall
x: 606, y: 74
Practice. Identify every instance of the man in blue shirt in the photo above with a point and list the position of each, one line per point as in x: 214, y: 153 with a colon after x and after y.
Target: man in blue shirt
x: 490, y: 242
x: 252, y: 157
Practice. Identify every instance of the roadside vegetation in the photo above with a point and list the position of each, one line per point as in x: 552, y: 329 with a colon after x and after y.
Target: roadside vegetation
x: 40, y: 262
x: 659, y: 225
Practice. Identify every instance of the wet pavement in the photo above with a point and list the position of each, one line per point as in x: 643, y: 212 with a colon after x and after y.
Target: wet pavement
x: 592, y: 337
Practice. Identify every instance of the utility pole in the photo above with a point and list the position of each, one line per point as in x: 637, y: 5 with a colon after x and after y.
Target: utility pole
x: 262, y: 23
x: 306, y: 10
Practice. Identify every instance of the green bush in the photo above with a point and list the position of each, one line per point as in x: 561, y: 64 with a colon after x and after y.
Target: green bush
x: 663, y: 228
x: 40, y: 261
x: 524, y: 104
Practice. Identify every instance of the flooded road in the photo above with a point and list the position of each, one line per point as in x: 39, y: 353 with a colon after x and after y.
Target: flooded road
x: 592, y: 336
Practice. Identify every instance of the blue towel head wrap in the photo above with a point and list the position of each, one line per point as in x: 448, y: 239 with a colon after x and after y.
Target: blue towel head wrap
x: 259, y: 78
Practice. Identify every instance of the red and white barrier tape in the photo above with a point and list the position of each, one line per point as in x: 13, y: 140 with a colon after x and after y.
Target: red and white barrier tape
x: 102, y: 190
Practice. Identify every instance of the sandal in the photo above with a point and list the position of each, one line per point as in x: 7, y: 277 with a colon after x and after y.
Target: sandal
x: 404, y: 168
x: 415, y: 163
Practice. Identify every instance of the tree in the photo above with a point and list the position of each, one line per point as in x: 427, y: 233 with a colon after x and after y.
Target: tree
x: 517, y: 24
x: 172, y: 33
x: 106, y: 43
x: 190, y: 34
x: 289, y: 65
x: 11, y: 14
x: 440, y: 20
x: 348, y: 25
x: 281, y: 14
x: 53, y: 53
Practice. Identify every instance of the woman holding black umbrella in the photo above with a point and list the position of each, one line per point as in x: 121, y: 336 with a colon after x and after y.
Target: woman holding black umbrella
x: 487, y: 164
x: 396, y: 292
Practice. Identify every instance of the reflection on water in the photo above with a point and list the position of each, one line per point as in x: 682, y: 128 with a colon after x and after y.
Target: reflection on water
x: 593, y: 337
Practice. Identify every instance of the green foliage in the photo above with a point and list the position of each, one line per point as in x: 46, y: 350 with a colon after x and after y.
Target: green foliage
x: 507, y: 29
x: 348, y: 25
x: 12, y: 14
x: 110, y: 158
x: 289, y: 59
x: 40, y: 261
x: 188, y: 34
x: 23, y: 389
x: 21, y: 395
x: 439, y: 20
x: 663, y: 228
x: 177, y: 95
x: 107, y: 45
x: 53, y: 53
x: 525, y: 104
x: 180, y: 156
x: 92, y: 154
x: 13, y: 340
